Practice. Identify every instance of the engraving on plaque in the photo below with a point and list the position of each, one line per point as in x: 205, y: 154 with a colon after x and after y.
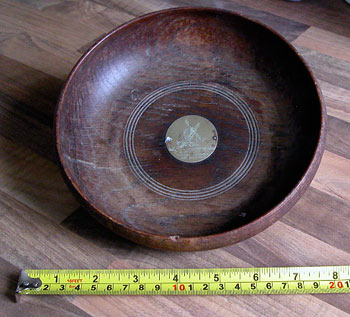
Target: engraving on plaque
x: 191, y: 139
x: 188, y: 137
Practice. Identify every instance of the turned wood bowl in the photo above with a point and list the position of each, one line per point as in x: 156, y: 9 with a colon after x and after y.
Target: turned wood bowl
x: 190, y: 128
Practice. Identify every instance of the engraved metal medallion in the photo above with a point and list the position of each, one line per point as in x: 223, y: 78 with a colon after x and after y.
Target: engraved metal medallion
x: 191, y: 139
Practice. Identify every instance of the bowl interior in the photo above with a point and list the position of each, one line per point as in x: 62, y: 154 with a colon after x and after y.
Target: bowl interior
x: 127, y: 91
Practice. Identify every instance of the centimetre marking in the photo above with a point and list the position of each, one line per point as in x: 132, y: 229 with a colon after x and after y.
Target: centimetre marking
x: 276, y: 280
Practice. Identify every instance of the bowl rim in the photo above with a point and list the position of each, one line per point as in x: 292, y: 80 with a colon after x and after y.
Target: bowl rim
x: 202, y: 242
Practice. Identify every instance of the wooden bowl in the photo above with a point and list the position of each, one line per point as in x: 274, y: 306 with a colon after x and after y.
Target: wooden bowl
x: 190, y: 128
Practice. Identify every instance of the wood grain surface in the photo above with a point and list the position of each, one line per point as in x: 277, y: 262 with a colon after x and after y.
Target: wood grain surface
x: 123, y: 96
x: 41, y: 224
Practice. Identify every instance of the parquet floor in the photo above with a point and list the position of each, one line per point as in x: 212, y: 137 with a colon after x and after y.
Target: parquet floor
x: 41, y: 224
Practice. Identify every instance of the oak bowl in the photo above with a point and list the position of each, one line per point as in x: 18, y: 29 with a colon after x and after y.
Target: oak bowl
x: 190, y: 128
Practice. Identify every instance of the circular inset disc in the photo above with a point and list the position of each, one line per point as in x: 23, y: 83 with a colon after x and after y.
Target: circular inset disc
x: 191, y: 139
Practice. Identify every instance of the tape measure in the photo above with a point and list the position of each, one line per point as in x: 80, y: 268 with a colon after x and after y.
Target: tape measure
x: 226, y: 281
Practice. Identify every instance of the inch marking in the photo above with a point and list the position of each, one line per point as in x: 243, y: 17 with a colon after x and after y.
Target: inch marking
x: 227, y: 281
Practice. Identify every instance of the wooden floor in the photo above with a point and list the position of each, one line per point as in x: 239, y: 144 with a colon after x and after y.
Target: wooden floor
x: 42, y: 226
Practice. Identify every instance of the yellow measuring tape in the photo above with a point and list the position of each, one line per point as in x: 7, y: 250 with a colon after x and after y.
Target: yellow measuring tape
x: 227, y: 281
